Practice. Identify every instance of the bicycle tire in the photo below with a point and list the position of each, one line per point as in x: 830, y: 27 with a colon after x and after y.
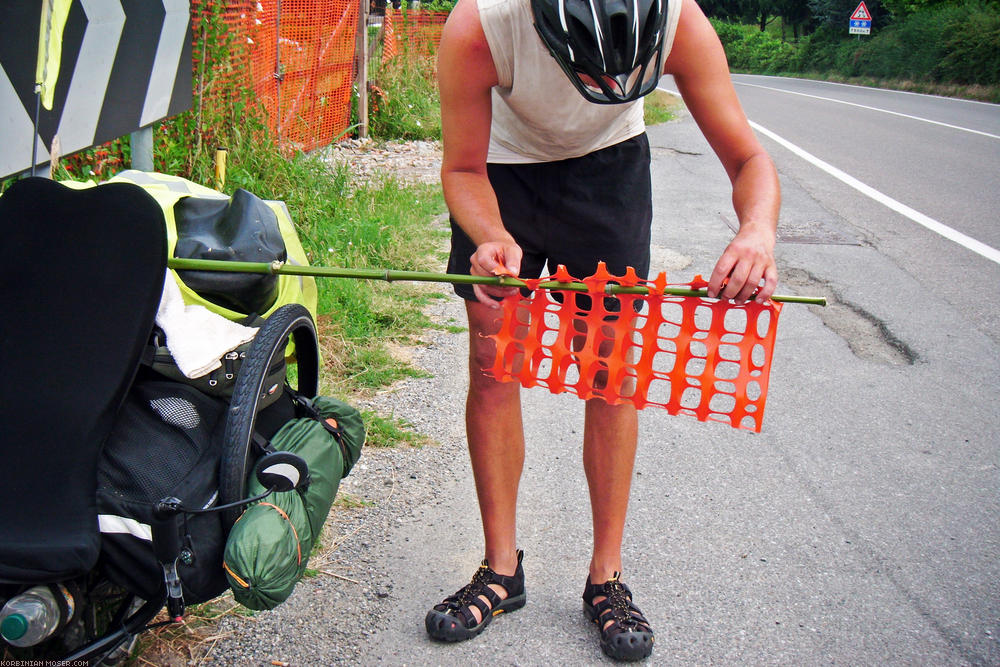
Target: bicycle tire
x: 293, y: 321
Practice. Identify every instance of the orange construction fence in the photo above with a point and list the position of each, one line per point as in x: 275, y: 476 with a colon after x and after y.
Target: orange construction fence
x: 300, y: 60
x: 413, y: 32
x: 706, y: 358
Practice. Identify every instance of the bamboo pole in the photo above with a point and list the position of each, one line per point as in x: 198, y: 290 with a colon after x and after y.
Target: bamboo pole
x: 390, y: 275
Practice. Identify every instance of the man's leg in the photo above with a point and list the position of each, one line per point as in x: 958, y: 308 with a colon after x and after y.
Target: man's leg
x: 609, y: 444
x: 496, y: 441
x: 496, y: 449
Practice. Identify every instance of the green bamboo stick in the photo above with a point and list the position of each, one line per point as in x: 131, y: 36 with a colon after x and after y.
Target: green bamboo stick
x: 391, y: 275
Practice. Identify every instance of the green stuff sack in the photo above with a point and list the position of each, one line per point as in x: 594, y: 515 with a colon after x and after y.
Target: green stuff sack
x: 267, y: 551
x: 268, y: 548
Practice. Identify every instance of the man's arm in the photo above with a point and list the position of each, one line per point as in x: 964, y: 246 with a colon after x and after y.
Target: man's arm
x: 698, y: 65
x: 466, y: 75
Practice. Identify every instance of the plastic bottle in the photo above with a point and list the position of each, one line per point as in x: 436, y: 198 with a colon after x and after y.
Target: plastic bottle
x: 31, y: 617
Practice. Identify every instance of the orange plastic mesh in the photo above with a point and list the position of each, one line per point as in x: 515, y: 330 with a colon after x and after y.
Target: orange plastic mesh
x: 695, y: 356
x: 414, y: 31
x: 302, y: 66
x: 388, y: 37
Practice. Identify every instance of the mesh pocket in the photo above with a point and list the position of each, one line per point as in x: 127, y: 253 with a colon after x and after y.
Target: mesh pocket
x: 176, y: 411
x: 163, y: 432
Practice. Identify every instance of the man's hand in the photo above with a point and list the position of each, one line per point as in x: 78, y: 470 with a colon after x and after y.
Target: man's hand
x: 748, y: 263
x: 495, y: 258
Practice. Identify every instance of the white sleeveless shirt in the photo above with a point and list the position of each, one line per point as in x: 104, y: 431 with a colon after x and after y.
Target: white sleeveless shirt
x: 538, y: 116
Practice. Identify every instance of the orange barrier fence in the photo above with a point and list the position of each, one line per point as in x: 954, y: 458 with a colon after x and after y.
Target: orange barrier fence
x: 701, y: 357
x: 300, y: 60
x: 419, y: 31
x: 301, y: 66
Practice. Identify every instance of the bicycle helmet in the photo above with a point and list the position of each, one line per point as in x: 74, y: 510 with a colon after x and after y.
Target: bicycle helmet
x: 612, y: 50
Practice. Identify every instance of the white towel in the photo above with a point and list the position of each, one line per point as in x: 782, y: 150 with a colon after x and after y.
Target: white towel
x: 196, y: 337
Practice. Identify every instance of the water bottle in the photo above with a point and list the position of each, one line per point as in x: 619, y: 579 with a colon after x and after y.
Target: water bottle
x: 31, y: 617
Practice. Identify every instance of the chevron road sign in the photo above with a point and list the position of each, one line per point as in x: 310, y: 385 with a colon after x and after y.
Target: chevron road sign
x: 125, y: 64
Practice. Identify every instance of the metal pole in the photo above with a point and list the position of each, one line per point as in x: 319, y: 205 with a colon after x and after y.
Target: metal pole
x: 278, y: 74
x: 361, y: 50
x: 142, y: 148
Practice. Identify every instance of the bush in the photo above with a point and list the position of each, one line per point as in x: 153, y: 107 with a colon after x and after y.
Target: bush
x: 971, y: 46
x: 948, y: 44
x: 749, y: 49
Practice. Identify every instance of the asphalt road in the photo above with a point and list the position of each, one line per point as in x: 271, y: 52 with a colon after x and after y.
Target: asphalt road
x: 875, y: 482
x: 862, y: 525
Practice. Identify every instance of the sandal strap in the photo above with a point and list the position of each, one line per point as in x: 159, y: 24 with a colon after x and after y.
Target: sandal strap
x: 460, y: 604
x: 617, y: 607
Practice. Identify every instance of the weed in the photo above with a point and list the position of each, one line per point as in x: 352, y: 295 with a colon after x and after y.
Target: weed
x: 660, y: 107
x: 387, y: 432
x: 349, y: 501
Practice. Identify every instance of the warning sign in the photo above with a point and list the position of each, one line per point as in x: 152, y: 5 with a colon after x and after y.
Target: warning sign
x: 861, y: 21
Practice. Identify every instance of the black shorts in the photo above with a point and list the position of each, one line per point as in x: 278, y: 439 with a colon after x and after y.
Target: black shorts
x: 575, y: 212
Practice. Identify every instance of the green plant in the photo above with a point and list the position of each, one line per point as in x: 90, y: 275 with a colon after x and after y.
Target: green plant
x: 659, y: 107
x: 388, y: 431
x: 971, y: 45
x: 403, y: 98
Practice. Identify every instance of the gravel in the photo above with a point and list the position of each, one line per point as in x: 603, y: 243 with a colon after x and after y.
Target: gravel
x: 409, y: 161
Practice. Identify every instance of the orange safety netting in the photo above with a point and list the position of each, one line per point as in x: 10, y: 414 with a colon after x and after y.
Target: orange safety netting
x: 299, y: 58
x: 696, y: 356
x: 302, y: 66
x: 413, y: 32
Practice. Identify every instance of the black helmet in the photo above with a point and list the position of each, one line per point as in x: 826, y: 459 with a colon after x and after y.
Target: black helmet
x: 612, y: 50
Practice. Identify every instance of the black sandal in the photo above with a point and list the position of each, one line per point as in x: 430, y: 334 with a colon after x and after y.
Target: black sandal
x: 452, y: 620
x: 628, y: 635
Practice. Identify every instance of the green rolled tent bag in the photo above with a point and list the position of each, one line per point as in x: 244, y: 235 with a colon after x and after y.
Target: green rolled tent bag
x: 269, y: 546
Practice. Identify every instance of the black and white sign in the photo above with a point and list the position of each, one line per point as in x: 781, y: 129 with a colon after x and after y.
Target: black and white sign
x: 125, y: 64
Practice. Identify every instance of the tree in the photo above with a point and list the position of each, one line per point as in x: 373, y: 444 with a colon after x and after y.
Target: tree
x: 794, y: 13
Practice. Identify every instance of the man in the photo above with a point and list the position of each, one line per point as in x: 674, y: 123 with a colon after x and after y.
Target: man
x: 546, y: 160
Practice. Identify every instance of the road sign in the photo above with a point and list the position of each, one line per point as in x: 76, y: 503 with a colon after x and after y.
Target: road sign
x: 125, y: 64
x: 861, y: 21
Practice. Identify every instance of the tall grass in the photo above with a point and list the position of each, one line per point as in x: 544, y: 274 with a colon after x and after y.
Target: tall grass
x: 347, y: 223
x: 403, y: 97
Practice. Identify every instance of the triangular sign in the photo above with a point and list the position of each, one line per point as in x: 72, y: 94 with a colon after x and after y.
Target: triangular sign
x: 861, y: 13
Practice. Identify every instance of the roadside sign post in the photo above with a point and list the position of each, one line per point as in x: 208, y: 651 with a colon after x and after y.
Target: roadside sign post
x: 861, y: 21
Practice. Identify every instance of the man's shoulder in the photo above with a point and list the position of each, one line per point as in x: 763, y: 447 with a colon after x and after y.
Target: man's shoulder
x: 504, y: 11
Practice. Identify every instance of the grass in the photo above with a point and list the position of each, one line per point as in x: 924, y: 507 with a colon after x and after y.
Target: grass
x: 660, y: 107
x: 389, y: 431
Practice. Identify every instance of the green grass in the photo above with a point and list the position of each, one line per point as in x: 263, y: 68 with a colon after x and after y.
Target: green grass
x: 390, y: 431
x: 384, y: 224
x: 660, y: 107
x: 350, y: 501
x: 403, y: 101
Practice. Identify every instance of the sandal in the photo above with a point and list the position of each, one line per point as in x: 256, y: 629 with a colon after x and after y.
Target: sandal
x: 625, y: 632
x: 452, y: 620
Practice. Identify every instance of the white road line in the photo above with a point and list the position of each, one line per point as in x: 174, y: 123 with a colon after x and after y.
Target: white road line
x: 944, y: 230
x: 863, y: 106
x: 933, y: 225
x: 955, y: 100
